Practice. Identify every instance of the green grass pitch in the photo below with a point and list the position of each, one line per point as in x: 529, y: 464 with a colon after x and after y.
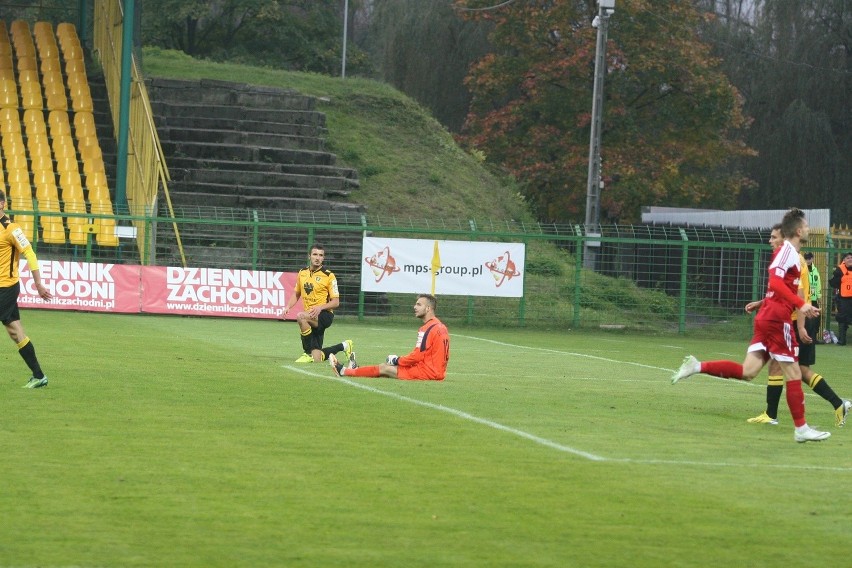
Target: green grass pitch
x: 169, y: 441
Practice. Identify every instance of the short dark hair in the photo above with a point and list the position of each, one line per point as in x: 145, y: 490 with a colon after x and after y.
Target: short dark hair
x: 433, y: 301
x: 809, y: 256
x: 847, y: 254
x: 791, y: 222
x: 317, y: 246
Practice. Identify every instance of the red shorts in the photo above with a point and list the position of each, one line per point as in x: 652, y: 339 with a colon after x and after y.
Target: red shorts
x: 417, y: 373
x: 777, y: 338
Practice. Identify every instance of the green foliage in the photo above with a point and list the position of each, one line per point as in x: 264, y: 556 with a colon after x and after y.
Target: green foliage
x: 425, y: 50
x: 303, y: 35
x: 793, y: 65
x: 670, y: 116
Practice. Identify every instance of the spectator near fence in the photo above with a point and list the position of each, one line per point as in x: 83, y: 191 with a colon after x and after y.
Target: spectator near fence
x: 842, y: 281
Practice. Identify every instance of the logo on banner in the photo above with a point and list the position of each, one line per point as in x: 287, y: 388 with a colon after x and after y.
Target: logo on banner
x: 382, y: 263
x: 502, y: 268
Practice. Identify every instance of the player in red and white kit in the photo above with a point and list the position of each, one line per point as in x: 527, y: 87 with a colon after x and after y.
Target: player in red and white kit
x: 773, y: 329
x: 428, y: 360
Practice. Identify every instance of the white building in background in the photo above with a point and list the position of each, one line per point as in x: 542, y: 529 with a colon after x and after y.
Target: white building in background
x: 818, y: 219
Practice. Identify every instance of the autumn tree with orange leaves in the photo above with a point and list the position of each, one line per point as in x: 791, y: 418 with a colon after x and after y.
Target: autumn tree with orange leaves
x: 672, y: 123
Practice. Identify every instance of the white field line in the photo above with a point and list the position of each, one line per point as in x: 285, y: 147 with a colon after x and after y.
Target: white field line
x: 538, y: 439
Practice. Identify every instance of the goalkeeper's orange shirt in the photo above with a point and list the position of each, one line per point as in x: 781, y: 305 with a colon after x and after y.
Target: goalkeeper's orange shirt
x: 428, y: 360
x: 13, y: 242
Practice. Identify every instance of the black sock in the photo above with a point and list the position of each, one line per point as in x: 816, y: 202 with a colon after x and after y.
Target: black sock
x: 29, y: 356
x: 773, y: 397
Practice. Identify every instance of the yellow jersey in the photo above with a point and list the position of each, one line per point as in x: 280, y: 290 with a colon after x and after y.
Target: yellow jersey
x: 316, y: 287
x: 804, y: 283
x: 13, y: 243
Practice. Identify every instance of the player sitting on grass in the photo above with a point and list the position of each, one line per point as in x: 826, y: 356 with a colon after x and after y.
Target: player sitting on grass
x: 428, y: 360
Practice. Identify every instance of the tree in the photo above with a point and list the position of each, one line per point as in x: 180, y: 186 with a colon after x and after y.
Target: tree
x: 792, y: 62
x: 303, y: 35
x: 425, y: 50
x: 672, y: 121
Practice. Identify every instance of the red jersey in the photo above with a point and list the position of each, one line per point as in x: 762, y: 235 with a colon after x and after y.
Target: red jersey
x: 784, y: 275
x: 428, y: 360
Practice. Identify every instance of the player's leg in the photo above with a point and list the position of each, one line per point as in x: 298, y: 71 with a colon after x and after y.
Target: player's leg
x: 323, y: 322
x: 774, y: 390
x: 306, y: 327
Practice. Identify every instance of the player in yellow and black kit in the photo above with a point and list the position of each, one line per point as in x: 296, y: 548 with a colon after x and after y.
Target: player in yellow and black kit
x: 318, y: 289
x: 13, y: 245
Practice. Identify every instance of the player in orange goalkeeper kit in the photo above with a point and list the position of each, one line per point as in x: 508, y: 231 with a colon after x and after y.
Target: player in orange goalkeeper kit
x: 428, y: 360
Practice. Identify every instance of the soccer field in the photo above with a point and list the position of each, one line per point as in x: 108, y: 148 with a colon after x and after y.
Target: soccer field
x: 168, y: 441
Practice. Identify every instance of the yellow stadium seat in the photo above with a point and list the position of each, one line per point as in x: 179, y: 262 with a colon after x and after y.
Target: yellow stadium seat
x: 42, y: 169
x: 44, y: 177
x: 31, y: 98
x: 75, y: 67
x: 6, y: 74
x: 5, y: 47
x: 58, y: 118
x: 27, y: 62
x: 53, y: 232
x: 52, y: 82
x: 34, y: 117
x: 67, y: 164
x: 96, y: 179
x: 82, y: 102
x: 28, y: 76
x: 8, y: 99
x: 72, y: 51
x: 51, y: 65
x: 47, y: 191
x: 20, y: 189
x: 98, y: 194
x: 93, y: 164
x: 56, y: 100
x: 91, y: 152
x: 63, y: 147
x: 17, y: 167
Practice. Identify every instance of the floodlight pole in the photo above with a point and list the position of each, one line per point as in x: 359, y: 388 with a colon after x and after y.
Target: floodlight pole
x: 345, y: 30
x: 606, y: 8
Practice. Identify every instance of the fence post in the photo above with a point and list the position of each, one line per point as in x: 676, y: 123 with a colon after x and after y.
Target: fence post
x: 255, y: 239
x: 684, y: 264
x: 578, y: 273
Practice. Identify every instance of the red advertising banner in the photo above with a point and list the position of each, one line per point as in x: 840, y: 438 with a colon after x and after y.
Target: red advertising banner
x: 119, y: 288
x: 216, y: 292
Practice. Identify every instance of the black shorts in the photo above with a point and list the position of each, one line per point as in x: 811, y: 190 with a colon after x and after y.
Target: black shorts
x: 807, y: 351
x: 324, y: 321
x: 9, y: 303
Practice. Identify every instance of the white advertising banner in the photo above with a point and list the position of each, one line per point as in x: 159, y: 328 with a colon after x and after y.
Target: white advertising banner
x: 444, y: 267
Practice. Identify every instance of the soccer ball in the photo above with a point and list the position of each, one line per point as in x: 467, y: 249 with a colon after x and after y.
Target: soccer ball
x: 392, y: 359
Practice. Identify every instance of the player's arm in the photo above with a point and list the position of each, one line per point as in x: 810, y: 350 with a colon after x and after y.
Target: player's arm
x: 417, y: 354
x: 294, y: 297
x: 32, y: 262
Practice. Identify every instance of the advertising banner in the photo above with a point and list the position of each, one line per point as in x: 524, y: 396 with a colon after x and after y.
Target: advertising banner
x: 443, y: 267
x: 82, y: 286
x: 216, y: 292
x: 116, y: 288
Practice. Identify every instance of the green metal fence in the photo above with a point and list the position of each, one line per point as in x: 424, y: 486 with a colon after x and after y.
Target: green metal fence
x: 647, y: 278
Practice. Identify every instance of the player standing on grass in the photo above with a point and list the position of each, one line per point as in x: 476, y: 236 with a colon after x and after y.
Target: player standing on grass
x: 428, y: 360
x: 805, y: 336
x: 13, y: 245
x: 318, y: 289
x: 773, y: 329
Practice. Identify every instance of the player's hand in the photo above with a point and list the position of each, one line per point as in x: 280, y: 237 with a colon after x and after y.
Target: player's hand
x: 803, y: 334
x: 44, y: 293
x: 751, y: 306
x: 808, y: 311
